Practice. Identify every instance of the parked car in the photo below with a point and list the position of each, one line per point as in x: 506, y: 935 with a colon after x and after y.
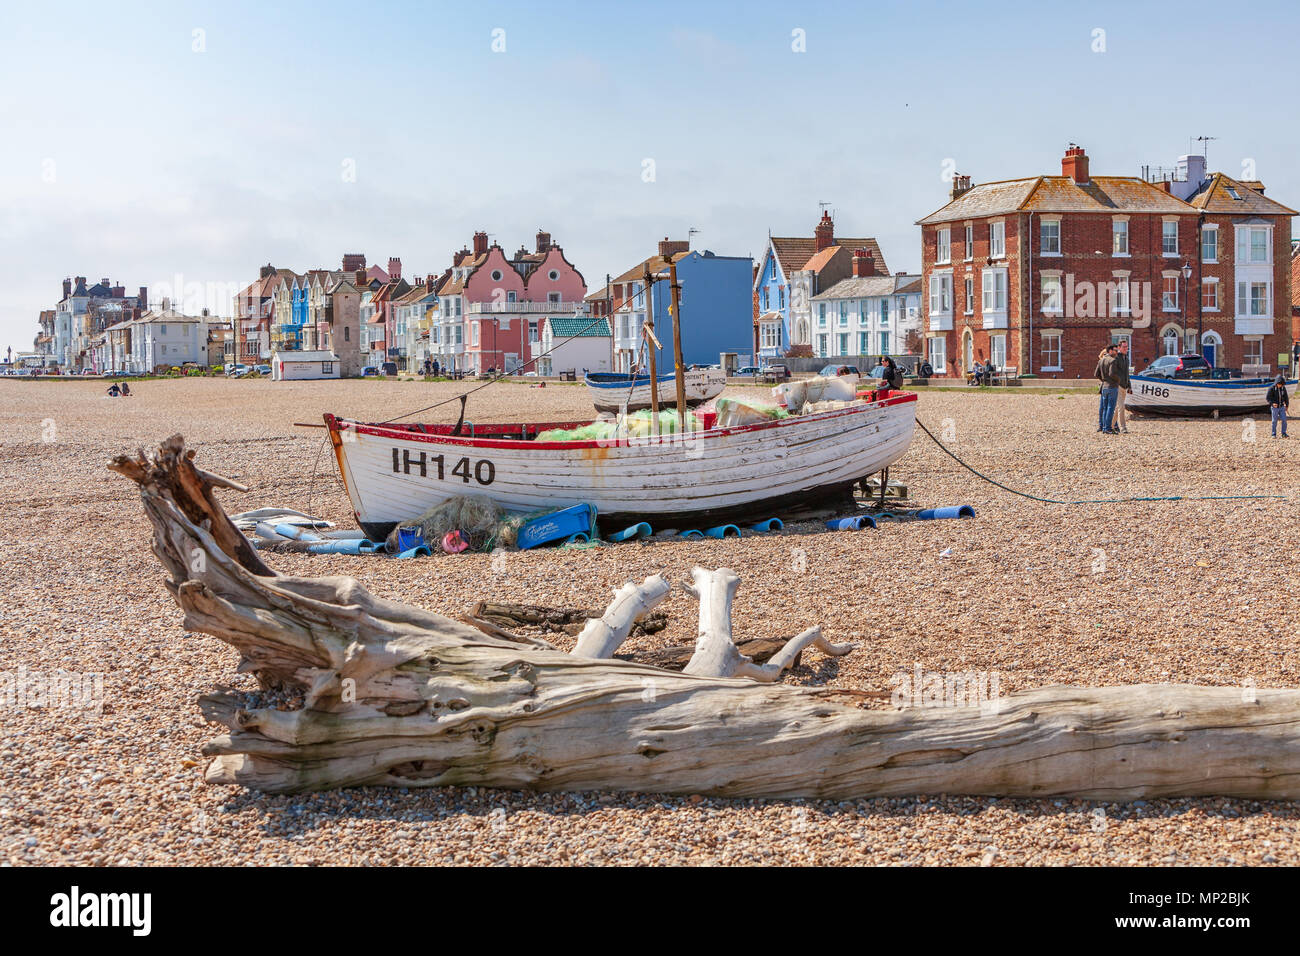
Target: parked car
x: 389, y: 368
x: 750, y: 370
x: 369, y: 371
x: 777, y: 370
x: 238, y: 370
x: 832, y: 370
x: 1179, y: 366
x: 263, y: 369
x: 84, y: 371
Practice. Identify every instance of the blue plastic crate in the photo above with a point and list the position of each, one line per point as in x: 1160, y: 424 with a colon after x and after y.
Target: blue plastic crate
x: 580, y: 519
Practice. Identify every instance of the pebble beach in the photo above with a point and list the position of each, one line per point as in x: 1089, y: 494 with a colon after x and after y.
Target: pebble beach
x: 1151, y: 591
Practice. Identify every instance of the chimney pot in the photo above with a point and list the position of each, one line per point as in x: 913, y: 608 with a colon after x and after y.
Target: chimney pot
x: 1074, y: 164
x: 543, y: 241
x: 480, y: 243
x: 864, y: 264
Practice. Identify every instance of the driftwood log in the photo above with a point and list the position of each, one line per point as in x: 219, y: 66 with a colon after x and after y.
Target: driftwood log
x: 389, y: 694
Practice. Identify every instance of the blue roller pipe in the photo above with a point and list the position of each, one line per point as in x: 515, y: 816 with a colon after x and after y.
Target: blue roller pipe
x: 691, y: 534
x: 724, y: 531
x: 639, y: 530
x: 578, y: 538
x: 298, y: 534
x: 419, y: 551
x: 771, y: 524
x: 355, y: 546
x: 856, y: 523
x: 887, y: 516
x: 953, y: 511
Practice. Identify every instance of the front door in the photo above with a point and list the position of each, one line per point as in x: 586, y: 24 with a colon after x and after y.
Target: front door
x: 967, y: 352
x: 1208, y: 350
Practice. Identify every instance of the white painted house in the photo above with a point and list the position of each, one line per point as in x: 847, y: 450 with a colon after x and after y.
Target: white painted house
x: 297, y: 365
x: 868, y: 316
x: 164, y: 337
x: 572, y: 342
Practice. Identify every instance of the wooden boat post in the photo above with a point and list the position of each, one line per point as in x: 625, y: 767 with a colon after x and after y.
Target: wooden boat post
x: 651, y: 344
x: 675, y: 310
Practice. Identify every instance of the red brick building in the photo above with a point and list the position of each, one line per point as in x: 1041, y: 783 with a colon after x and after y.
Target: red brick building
x: 1039, y: 274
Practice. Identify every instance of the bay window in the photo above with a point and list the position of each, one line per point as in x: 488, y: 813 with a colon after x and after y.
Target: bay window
x: 1253, y: 298
x: 994, y: 290
x: 940, y: 294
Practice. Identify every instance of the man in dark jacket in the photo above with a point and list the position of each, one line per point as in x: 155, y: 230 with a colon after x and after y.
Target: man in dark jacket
x: 1125, y: 387
x: 1109, y: 390
x: 1278, y: 400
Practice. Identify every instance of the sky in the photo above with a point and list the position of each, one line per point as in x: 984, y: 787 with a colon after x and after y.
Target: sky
x: 183, y: 145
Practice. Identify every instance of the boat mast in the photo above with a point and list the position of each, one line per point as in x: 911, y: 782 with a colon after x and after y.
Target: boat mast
x: 649, y: 333
x: 676, y: 310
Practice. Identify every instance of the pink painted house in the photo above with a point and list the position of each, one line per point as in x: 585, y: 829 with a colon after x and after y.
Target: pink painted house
x: 491, y: 307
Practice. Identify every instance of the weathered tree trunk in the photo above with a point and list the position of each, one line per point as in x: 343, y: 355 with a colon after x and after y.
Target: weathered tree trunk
x: 391, y: 694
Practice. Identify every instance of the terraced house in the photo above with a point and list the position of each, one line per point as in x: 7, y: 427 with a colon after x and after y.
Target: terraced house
x: 490, y: 306
x: 1039, y: 274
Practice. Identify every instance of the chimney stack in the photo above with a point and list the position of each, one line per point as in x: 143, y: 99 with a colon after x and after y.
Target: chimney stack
x: 825, y: 232
x: 864, y: 264
x: 428, y: 282
x: 354, y: 262
x: 1075, y: 165
x: 119, y: 292
x: 480, y: 243
x: 394, y: 268
x: 671, y: 247
x: 266, y: 270
x: 960, y: 185
x: 67, y: 288
x: 543, y: 241
x: 361, y: 278
x: 144, y: 297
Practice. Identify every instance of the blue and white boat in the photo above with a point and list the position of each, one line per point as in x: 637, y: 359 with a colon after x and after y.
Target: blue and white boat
x: 1158, y: 395
x: 613, y: 392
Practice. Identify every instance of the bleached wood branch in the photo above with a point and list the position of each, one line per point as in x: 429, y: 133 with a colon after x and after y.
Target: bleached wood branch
x: 381, y: 693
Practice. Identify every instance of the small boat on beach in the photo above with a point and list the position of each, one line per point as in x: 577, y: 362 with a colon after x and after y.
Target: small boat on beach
x: 613, y: 392
x: 1159, y: 395
x: 394, y: 472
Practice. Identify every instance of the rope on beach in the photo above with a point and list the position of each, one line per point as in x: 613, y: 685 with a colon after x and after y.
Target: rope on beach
x: 1083, y: 501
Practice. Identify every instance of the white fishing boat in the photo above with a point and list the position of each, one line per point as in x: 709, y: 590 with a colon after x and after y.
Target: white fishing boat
x: 1159, y: 395
x: 395, y: 472
x: 612, y: 391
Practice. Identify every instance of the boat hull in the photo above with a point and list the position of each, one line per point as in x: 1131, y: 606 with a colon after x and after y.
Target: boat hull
x: 609, y: 394
x: 395, y: 473
x: 1162, y: 396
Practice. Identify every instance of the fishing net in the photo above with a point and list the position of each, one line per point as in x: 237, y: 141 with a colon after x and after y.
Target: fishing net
x: 477, y: 517
x: 736, y: 411
x: 637, y: 425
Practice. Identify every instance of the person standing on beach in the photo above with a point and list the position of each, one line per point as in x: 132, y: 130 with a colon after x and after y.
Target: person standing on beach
x: 1109, y: 389
x: 1278, y: 400
x: 1125, y: 387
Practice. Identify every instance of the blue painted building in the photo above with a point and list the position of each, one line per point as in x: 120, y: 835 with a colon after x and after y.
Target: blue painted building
x: 717, y: 307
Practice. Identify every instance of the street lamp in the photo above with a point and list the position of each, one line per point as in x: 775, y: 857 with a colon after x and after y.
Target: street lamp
x: 1187, y: 274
